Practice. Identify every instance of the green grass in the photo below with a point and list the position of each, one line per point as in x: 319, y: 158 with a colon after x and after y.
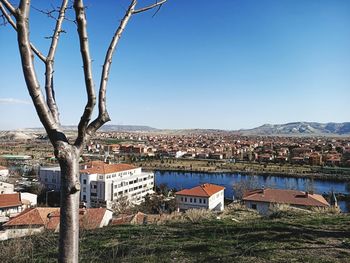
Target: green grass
x: 299, y: 238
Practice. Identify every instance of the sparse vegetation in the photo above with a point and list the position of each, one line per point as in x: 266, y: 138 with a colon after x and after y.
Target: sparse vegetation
x: 312, y: 237
x: 198, y: 215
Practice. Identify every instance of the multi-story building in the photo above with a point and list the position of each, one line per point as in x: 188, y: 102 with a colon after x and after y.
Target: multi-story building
x: 50, y: 177
x: 102, y: 184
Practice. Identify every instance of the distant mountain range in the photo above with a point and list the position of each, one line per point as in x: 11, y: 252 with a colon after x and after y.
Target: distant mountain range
x: 301, y: 129
x: 288, y: 129
x: 132, y: 128
x: 105, y: 128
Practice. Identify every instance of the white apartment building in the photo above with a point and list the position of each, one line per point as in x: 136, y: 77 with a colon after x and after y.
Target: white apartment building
x: 101, y: 184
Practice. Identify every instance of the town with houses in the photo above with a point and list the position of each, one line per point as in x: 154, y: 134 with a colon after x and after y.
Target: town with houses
x: 117, y: 171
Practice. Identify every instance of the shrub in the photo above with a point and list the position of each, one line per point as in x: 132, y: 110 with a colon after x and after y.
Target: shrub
x: 198, y: 215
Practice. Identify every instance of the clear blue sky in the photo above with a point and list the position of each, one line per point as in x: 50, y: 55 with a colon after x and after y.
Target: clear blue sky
x: 225, y: 64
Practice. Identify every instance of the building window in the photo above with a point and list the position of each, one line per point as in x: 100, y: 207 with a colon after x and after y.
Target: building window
x: 185, y: 199
x: 84, y: 181
x: 190, y: 200
x: 84, y: 198
x: 254, y: 206
x: 195, y: 200
x: 84, y: 189
x: 204, y: 201
x: 182, y: 199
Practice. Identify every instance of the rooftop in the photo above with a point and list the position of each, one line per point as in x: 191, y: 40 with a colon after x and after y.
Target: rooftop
x: 102, y: 168
x: 292, y: 197
x: 204, y: 190
x: 49, y: 217
x: 10, y: 200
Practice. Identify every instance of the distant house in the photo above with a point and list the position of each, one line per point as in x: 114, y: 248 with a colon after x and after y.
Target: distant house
x: 29, y: 199
x: 261, y: 199
x: 13, y: 204
x: 10, y: 205
x: 36, y: 220
x: 217, y: 156
x: 4, y: 172
x: 6, y: 188
x: 205, y: 196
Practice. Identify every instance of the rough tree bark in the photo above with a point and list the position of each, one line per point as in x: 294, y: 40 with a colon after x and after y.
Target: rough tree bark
x: 66, y: 152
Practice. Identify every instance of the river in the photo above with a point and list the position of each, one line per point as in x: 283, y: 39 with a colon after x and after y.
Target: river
x: 181, y: 180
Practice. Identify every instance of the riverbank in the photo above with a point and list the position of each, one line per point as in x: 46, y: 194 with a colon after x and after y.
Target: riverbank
x: 200, y: 166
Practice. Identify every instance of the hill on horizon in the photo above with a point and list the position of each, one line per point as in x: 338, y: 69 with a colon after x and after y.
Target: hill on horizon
x: 301, y: 129
x: 288, y: 129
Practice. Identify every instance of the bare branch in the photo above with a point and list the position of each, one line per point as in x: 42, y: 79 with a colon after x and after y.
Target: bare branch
x: 49, y: 13
x: 159, y: 4
x: 103, y: 116
x: 49, y: 88
x: 4, y: 23
x: 13, y: 24
x: 29, y: 70
x: 9, y: 7
x: 85, y: 53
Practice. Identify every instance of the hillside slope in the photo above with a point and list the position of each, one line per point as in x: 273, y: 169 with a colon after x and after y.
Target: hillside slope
x: 302, y: 238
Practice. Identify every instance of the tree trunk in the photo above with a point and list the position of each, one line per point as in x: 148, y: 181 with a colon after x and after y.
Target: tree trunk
x: 68, y: 157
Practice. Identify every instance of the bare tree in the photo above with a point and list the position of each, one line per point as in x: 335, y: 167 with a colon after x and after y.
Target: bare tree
x: 66, y: 152
x: 242, y: 186
x: 121, y: 205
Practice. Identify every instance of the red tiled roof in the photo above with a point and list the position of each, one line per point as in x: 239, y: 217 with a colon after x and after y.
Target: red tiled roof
x: 102, y: 168
x: 49, y: 217
x: 91, y: 218
x: 32, y: 216
x: 10, y: 200
x: 205, y: 190
x: 122, y: 219
x: 292, y: 197
x: 138, y: 219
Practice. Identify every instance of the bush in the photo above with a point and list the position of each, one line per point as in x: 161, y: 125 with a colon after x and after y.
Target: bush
x: 198, y: 215
x: 326, y: 210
